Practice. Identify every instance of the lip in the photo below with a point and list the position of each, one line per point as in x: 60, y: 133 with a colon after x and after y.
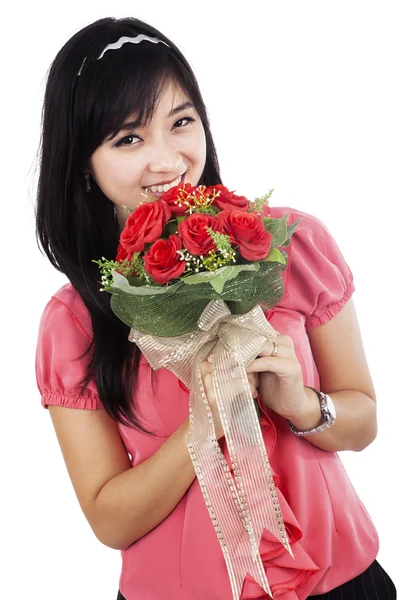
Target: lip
x: 165, y: 182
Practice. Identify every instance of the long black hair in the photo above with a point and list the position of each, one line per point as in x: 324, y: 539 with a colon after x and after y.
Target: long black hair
x: 85, y: 101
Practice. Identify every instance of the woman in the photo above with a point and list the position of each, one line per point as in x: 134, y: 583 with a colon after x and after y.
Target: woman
x: 122, y: 113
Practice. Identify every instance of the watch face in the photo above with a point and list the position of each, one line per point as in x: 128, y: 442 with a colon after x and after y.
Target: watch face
x: 330, y: 406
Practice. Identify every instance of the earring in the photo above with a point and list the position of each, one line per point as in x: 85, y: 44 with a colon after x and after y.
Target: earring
x: 88, y: 186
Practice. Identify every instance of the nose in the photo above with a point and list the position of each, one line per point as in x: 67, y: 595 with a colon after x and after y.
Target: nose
x: 164, y: 159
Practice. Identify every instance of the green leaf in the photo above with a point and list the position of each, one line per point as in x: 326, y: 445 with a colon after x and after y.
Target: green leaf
x: 278, y: 229
x: 171, y: 228
x: 218, y: 278
x: 292, y: 228
x: 135, y: 281
x: 290, y: 231
x: 276, y: 256
x: 181, y: 218
x: 207, y: 210
x: 258, y: 204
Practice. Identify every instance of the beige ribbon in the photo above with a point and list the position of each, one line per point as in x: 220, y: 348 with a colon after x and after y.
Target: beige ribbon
x: 240, y: 507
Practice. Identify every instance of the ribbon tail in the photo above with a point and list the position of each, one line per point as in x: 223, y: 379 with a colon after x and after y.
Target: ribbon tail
x: 231, y: 520
x: 253, y: 474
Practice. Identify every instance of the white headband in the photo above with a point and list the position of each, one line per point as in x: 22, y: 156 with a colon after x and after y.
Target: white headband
x: 123, y: 40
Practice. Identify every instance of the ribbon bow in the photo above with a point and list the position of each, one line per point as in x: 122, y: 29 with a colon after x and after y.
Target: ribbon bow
x: 240, y: 507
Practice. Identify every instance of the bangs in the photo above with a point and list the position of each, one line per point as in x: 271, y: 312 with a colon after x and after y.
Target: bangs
x: 128, y: 82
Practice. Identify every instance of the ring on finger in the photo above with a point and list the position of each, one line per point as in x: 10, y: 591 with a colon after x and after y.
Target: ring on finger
x: 276, y: 348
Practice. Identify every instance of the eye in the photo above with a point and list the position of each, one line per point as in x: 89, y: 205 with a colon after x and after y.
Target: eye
x: 126, y: 141
x: 189, y: 119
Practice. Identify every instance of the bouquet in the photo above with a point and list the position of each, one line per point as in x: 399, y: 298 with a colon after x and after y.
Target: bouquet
x: 196, y: 267
x: 190, y: 246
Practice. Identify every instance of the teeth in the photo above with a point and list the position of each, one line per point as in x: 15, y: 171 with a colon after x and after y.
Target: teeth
x: 164, y: 188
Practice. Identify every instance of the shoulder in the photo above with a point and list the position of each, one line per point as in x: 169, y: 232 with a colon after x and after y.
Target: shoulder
x: 66, y: 305
x: 312, y: 240
x: 61, y: 362
x: 309, y: 223
x: 65, y: 328
x: 318, y: 279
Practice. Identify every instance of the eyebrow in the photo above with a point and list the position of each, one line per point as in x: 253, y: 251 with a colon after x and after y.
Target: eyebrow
x: 129, y: 126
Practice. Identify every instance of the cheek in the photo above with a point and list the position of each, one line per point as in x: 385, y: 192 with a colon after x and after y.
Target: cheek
x: 195, y: 147
x: 201, y: 146
x: 113, y: 173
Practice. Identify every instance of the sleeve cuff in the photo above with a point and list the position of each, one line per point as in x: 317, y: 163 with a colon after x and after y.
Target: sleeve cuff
x: 331, y: 310
x: 89, y: 401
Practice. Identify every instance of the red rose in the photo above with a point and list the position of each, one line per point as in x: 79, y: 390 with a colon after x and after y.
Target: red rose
x: 227, y: 200
x: 144, y: 225
x: 123, y: 254
x: 247, y: 231
x: 193, y: 231
x: 163, y: 262
x: 171, y: 195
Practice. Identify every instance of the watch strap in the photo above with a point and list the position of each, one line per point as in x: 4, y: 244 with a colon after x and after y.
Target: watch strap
x: 329, y: 419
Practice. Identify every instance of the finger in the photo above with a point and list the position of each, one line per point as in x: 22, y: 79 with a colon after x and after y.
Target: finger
x: 205, y: 368
x: 274, y: 364
x: 254, y: 392
x: 253, y: 379
x: 284, y: 343
x: 281, y: 350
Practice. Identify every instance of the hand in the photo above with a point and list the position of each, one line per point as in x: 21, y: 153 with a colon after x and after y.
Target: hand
x: 206, y: 375
x: 281, y: 384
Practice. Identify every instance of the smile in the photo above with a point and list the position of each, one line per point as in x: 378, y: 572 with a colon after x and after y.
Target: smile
x: 159, y: 189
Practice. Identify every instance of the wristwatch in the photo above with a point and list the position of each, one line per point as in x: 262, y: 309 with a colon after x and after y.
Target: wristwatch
x: 328, y: 411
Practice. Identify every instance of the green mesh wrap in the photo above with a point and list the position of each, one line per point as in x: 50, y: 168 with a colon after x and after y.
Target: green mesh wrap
x: 177, y: 312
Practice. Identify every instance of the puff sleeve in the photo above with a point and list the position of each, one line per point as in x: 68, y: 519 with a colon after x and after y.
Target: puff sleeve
x: 59, y: 367
x: 320, y: 281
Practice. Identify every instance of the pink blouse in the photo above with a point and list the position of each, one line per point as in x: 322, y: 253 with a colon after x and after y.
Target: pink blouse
x: 332, y: 536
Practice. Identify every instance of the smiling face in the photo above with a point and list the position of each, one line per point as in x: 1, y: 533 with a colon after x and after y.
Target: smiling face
x: 171, y: 145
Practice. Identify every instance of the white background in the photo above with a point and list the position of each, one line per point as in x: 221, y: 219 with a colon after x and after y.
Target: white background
x: 303, y: 97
